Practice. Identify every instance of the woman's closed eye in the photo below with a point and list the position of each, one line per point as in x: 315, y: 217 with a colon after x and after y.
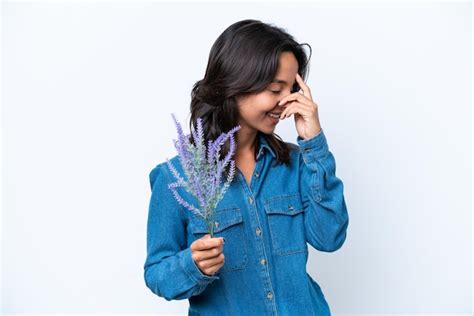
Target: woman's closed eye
x: 275, y: 92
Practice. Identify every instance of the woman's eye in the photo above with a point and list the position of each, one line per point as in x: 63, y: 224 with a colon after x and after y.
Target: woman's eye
x: 276, y: 92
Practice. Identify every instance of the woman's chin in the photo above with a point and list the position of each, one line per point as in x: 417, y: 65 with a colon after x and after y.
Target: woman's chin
x: 268, y: 129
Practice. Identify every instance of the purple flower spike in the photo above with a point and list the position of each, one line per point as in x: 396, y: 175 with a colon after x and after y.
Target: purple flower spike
x: 203, y: 169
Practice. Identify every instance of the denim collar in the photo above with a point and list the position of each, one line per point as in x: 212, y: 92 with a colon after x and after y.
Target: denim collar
x: 263, y: 143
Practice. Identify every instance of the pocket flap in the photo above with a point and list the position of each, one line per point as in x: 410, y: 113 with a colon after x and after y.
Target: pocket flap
x: 223, y: 218
x: 289, y: 204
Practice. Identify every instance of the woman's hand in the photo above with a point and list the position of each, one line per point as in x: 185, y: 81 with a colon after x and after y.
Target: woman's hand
x: 305, y: 110
x: 207, y: 253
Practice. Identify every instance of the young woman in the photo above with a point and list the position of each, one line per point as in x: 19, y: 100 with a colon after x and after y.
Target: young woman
x: 283, y: 195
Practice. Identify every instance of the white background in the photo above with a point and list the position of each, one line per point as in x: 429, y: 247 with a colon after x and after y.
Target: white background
x: 88, y: 90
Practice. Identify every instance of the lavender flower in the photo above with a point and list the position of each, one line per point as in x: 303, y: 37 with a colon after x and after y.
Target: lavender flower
x: 203, y: 169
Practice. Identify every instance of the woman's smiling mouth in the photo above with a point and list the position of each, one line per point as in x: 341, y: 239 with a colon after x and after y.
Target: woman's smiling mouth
x: 274, y: 117
x: 274, y: 114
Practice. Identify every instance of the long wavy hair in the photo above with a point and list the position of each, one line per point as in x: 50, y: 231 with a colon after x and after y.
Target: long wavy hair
x: 243, y: 60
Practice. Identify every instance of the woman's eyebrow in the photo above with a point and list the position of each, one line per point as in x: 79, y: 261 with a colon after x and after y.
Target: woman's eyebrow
x: 280, y: 81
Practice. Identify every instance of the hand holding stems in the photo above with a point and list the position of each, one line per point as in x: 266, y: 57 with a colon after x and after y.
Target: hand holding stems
x: 305, y: 110
x: 207, y: 254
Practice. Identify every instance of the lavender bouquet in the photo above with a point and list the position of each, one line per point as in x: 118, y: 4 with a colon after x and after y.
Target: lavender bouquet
x: 203, y: 169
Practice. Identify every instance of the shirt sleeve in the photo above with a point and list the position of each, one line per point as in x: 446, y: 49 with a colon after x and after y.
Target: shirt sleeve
x: 169, y: 270
x: 326, y: 218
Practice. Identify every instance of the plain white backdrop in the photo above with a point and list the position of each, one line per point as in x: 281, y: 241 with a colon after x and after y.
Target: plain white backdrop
x: 88, y: 89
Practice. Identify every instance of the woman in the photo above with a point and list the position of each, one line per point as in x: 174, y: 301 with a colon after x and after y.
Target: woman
x: 283, y: 195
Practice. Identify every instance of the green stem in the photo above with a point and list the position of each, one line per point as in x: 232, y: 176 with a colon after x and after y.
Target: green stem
x: 210, y: 227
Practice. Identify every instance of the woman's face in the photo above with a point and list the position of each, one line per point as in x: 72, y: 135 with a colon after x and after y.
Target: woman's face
x: 254, y: 109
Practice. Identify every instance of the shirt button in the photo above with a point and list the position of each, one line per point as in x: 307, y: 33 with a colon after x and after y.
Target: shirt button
x: 269, y: 295
x: 257, y: 174
x: 216, y: 224
x: 263, y: 262
x: 250, y: 200
x: 258, y: 231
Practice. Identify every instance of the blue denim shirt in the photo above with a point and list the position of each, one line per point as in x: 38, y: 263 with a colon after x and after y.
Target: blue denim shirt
x: 266, y: 227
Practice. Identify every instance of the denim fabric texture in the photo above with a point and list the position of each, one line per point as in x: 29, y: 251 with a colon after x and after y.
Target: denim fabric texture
x: 267, y: 227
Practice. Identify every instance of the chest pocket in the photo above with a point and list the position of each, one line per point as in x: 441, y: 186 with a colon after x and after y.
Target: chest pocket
x: 228, y: 224
x: 286, y: 222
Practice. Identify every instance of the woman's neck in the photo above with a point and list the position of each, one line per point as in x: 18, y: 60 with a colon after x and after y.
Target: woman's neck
x: 246, y: 143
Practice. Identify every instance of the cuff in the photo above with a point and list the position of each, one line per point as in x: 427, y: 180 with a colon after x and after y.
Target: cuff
x: 192, y: 270
x: 313, y: 148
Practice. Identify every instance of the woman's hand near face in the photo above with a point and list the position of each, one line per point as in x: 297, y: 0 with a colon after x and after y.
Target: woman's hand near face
x: 305, y: 110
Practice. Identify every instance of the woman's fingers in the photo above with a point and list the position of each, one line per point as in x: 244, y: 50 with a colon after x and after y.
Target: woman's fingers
x: 296, y: 108
x: 304, y: 98
x: 209, y: 263
x: 206, y: 242
x: 296, y: 97
x: 303, y: 86
x: 213, y: 270
x: 208, y: 253
x: 211, y: 266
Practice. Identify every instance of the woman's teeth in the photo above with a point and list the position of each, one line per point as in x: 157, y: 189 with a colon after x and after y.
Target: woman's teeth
x: 274, y: 115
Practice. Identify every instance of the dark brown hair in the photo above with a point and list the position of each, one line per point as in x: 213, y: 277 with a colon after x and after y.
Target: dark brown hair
x: 243, y: 60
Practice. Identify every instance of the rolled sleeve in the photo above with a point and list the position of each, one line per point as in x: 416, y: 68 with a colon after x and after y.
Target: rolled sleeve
x: 326, y: 216
x: 313, y: 148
